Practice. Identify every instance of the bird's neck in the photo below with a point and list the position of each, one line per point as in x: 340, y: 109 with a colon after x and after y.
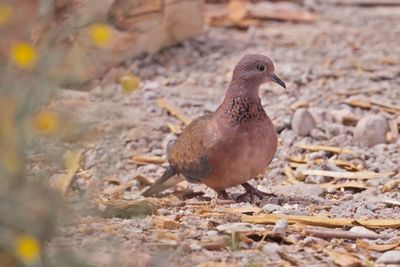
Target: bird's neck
x: 242, y: 104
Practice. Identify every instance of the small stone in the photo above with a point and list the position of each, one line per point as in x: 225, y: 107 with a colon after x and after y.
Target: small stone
x: 302, y: 122
x: 299, y: 189
x: 318, y: 155
x: 371, y: 130
x: 390, y: 257
x: 362, y: 230
x: 318, y: 134
x: 270, y: 208
x: 272, y: 251
x: 195, y: 246
x: 281, y: 227
x: 316, y: 179
x: 299, y: 172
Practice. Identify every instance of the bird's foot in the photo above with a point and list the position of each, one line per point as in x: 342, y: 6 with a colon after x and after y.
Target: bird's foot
x: 223, y: 195
x: 252, y: 191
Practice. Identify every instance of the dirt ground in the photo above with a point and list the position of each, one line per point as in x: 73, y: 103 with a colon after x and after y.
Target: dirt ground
x: 349, y: 53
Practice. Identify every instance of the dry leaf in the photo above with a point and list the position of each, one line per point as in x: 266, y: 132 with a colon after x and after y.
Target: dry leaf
x: 243, y: 210
x: 349, y: 175
x: 358, y: 103
x: 351, y: 184
x: 321, y: 221
x: 332, y: 149
x: 118, y: 189
x: 355, y: 91
x: 166, y: 223
x: 391, y: 185
x: 284, y: 11
x: 300, y: 104
x: 385, y: 105
x: 143, y: 180
x: 290, y: 175
x: 237, y: 11
x: 174, y: 110
x: 375, y: 247
x: 338, y: 233
x: 343, y: 259
x: 143, y: 160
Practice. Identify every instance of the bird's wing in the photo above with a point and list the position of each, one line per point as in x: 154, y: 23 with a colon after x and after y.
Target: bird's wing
x: 188, y: 155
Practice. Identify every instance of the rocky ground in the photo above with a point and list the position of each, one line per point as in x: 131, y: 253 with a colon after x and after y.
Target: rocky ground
x: 343, y: 79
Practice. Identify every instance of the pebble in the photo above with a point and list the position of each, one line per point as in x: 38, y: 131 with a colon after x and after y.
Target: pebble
x: 270, y: 208
x: 299, y: 172
x: 315, y: 179
x: 281, y: 227
x: 362, y: 230
x: 302, y: 122
x: 371, y: 130
x: 390, y: 257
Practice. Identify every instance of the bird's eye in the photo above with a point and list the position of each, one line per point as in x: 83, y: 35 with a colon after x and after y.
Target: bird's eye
x: 260, y: 67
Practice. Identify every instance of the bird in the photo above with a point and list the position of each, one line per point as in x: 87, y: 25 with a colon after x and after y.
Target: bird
x: 233, y: 144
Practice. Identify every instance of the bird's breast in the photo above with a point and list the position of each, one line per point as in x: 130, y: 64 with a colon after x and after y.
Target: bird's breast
x: 243, y: 153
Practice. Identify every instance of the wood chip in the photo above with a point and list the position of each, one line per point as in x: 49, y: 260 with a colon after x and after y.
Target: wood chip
x: 349, y: 175
x: 174, y: 111
x: 340, y: 234
x: 299, y: 104
x: 351, y: 184
x: 358, y: 103
x: 143, y: 180
x: 375, y: 247
x: 118, y: 189
x: 343, y: 259
x: 166, y: 223
x: 388, y: 200
x: 344, y: 163
x: 332, y: 149
x: 174, y: 128
x: 290, y: 175
x: 389, y: 186
x: 385, y: 105
x: 242, y: 210
x: 321, y: 221
x: 112, y: 179
x: 144, y: 160
x: 356, y: 91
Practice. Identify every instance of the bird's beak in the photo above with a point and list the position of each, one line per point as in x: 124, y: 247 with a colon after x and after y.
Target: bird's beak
x: 277, y: 80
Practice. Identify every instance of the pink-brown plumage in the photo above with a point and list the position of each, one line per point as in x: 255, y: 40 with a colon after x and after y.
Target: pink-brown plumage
x: 235, y: 143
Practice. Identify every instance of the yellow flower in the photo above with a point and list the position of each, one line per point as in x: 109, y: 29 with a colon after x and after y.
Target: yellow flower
x: 100, y: 33
x: 46, y: 122
x: 27, y: 248
x: 129, y: 82
x: 24, y: 55
x: 5, y: 13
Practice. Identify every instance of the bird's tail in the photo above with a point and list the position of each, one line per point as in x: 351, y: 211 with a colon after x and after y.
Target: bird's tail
x: 163, y: 183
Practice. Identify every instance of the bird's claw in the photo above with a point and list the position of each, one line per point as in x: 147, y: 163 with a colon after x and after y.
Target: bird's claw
x: 252, y: 191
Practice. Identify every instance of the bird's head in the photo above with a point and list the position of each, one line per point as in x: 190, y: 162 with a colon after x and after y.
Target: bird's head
x: 256, y: 69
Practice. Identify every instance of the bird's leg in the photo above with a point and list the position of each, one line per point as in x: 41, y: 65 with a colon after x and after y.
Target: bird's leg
x: 252, y: 191
x: 222, y: 195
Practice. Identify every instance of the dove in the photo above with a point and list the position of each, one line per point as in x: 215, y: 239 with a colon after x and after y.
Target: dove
x: 233, y: 144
